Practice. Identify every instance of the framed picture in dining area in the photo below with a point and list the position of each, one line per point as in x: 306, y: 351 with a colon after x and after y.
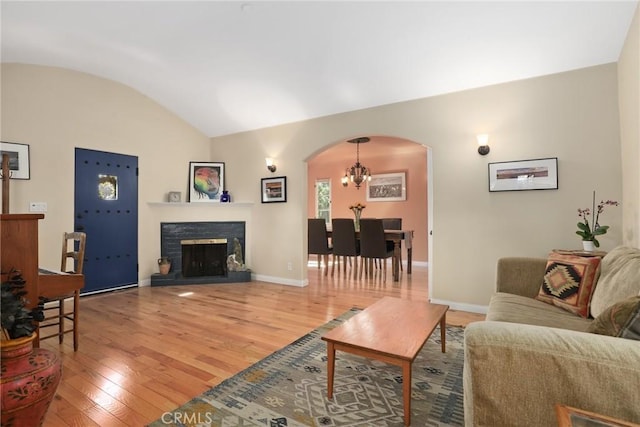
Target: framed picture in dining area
x: 206, y: 181
x: 387, y: 187
x: 535, y: 174
x: 274, y: 190
x: 18, y: 155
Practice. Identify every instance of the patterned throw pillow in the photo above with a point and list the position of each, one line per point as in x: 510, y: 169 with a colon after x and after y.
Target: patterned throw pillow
x: 620, y: 320
x: 569, y: 281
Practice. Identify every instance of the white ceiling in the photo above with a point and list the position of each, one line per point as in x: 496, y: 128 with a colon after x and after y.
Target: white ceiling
x: 232, y: 66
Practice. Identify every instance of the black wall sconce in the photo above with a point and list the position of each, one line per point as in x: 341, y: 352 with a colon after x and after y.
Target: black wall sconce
x: 483, y: 144
x: 270, y: 165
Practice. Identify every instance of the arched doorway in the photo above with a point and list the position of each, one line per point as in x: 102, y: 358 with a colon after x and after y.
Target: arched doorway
x: 383, y: 154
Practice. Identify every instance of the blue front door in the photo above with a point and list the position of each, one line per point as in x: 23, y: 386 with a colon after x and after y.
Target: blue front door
x: 106, y: 209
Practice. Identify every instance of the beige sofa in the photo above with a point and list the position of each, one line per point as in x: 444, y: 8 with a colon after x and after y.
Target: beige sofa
x: 529, y: 355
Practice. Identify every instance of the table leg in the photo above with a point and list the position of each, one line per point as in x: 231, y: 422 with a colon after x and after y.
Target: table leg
x: 443, y: 330
x: 409, y: 250
x: 76, y: 319
x: 331, y: 364
x: 396, y: 260
x: 406, y: 392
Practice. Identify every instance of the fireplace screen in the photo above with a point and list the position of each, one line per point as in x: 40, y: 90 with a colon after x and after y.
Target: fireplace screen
x: 204, y: 257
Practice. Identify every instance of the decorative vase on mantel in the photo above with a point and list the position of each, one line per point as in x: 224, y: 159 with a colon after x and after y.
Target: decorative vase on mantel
x: 225, y: 197
x: 588, y: 246
x: 30, y: 378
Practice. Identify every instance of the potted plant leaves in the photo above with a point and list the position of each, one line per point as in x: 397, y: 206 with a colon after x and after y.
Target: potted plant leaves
x: 30, y: 376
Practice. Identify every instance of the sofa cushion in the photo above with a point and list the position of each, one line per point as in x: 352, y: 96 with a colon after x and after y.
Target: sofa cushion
x: 619, y: 279
x: 505, y: 307
x: 622, y: 319
x: 569, y: 281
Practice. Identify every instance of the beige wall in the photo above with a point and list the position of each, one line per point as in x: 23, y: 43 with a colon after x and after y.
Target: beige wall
x: 381, y: 155
x: 629, y: 100
x: 55, y: 110
x: 573, y: 116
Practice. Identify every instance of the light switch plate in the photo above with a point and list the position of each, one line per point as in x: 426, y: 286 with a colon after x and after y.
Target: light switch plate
x: 37, y: 207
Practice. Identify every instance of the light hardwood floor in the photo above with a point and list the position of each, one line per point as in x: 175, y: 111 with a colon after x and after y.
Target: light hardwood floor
x: 147, y: 350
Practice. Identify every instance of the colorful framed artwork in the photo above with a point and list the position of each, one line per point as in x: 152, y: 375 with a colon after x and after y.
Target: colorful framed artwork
x: 274, y: 190
x: 206, y: 181
x: 18, y: 159
x: 536, y: 174
x: 387, y: 187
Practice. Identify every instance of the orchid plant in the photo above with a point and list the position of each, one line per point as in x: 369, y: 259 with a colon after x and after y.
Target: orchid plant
x: 589, y: 230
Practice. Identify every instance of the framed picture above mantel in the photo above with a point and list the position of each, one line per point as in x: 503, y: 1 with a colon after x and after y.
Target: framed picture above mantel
x: 535, y: 174
x: 206, y: 182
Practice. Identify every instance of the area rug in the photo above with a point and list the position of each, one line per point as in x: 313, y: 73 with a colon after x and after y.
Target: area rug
x: 289, y: 388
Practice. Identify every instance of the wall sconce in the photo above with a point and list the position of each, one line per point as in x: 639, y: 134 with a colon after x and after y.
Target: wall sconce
x: 345, y: 180
x: 270, y: 165
x: 483, y: 144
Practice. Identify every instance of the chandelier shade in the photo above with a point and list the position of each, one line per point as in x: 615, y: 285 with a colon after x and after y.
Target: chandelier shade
x: 358, y: 173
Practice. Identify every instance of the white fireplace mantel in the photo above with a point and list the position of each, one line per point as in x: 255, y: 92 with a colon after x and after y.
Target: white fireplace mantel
x: 201, y: 204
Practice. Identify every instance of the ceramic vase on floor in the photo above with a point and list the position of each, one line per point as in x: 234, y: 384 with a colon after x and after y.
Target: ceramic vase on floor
x: 164, y: 265
x: 29, y: 381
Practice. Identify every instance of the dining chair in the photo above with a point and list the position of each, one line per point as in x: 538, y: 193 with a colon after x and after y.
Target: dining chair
x: 373, y: 245
x: 345, y: 245
x: 394, y: 224
x: 72, y: 262
x: 318, y: 241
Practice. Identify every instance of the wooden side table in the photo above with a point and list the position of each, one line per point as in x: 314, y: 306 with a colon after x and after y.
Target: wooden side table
x: 578, y: 252
x: 568, y: 416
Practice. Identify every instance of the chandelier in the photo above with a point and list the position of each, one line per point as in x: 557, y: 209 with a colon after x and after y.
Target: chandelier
x: 358, y: 173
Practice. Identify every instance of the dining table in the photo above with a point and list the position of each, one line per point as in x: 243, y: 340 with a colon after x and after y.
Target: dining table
x: 395, y: 236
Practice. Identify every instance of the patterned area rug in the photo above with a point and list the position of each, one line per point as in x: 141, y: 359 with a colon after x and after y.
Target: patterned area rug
x: 289, y: 388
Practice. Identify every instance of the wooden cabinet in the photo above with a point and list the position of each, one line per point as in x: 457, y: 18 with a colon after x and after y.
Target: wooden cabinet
x: 19, y: 249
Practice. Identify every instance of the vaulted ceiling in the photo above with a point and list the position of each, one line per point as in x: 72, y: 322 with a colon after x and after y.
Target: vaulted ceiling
x: 226, y: 67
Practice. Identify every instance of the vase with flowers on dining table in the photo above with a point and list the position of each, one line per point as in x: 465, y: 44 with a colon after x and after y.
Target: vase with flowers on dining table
x: 357, y: 212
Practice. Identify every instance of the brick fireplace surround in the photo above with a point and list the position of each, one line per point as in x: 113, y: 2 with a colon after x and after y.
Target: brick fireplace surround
x: 172, y: 233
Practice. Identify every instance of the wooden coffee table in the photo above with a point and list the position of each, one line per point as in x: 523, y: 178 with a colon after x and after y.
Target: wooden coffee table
x: 573, y: 417
x: 392, y: 330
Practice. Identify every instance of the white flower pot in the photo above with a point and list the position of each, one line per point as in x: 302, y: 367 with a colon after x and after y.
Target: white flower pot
x: 588, y: 246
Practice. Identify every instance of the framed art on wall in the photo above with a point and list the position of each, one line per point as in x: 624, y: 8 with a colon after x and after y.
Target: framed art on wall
x: 274, y: 190
x: 18, y: 159
x: 536, y: 174
x: 387, y: 187
x: 206, y: 181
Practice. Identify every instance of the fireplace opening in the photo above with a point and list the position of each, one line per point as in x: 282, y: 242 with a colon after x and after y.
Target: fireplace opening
x: 204, y: 257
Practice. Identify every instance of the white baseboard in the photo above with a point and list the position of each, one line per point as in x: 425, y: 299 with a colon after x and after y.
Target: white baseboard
x: 424, y: 264
x: 280, y: 280
x: 471, y: 308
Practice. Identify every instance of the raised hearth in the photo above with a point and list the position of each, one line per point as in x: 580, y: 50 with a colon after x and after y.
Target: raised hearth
x: 172, y: 236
